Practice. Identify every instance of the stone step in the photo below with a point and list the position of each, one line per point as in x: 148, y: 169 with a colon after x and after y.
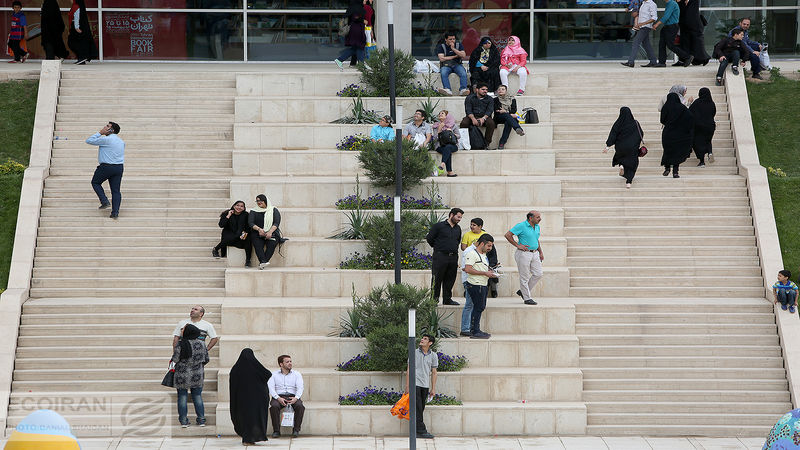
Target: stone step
x: 143, y: 156
x: 94, y: 431
x: 223, y: 112
x: 668, y: 339
x: 467, y: 192
x: 210, y: 171
x: 507, y: 162
x: 279, y: 135
x: 666, y: 200
x: 675, y: 263
x: 686, y: 384
x: 633, y: 317
x: 177, y: 272
x: 690, y: 242
x: 109, y: 305
x: 623, y: 250
x: 679, y: 350
x: 137, y: 189
x: 712, y: 329
x: 689, y: 305
x: 161, y: 350
x: 106, y: 363
x: 330, y: 282
x: 668, y: 291
x: 581, y: 142
x: 682, y: 361
x: 688, y: 210
x: 500, y: 419
x: 98, y: 252
x: 127, y: 375
x: 148, y: 89
x: 532, y: 384
x: 723, y: 229
x: 584, y: 223
x: 176, y: 84
x: 94, y: 384
x: 33, y: 324
x: 168, y: 184
x: 137, y: 164
x: 207, y: 215
x: 641, y: 373
x: 685, y: 419
x: 688, y: 407
x: 320, y: 316
x: 603, y: 182
x: 165, y: 143
x: 142, y: 73
x: 101, y: 282
x: 168, y: 231
x: 19, y: 410
x: 325, y: 352
x: 711, y: 431
x: 646, y: 173
x: 682, y: 396
x: 204, y: 103
x: 164, y: 242
x: 600, y: 160
x: 134, y: 136
x: 125, y: 292
x: 77, y: 124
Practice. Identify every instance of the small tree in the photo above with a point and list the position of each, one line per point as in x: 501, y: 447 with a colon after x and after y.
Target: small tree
x: 377, y: 159
x: 375, y: 71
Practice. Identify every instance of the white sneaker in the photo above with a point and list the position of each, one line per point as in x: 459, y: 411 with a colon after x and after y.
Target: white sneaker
x: 185, y: 425
x: 339, y: 63
x: 464, y: 92
x: 711, y: 157
x: 444, y: 91
x: 263, y: 265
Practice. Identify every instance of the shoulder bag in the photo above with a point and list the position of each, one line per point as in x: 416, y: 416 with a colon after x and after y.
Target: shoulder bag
x: 642, y: 148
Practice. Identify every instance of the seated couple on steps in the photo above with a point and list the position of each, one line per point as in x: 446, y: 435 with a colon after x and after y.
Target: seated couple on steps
x: 245, y: 230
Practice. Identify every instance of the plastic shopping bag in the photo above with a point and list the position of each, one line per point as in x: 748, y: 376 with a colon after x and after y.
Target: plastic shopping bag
x: 287, y: 417
x: 763, y: 58
x: 463, y: 141
x: 425, y: 66
x: 400, y: 409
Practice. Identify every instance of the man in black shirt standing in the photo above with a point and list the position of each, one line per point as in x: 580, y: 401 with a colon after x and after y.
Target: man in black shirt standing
x: 445, y: 238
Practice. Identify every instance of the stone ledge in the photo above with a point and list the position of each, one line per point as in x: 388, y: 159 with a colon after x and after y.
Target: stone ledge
x: 471, y: 418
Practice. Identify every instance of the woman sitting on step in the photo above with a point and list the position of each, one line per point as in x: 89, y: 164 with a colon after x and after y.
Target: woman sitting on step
x: 234, y: 232
x: 446, y: 123
x: 264, y: 220
x: 504, y: 106
x: 513, y: 60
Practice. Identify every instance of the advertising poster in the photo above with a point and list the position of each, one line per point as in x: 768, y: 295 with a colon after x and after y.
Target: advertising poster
x: 478, y: 24
x: 144, y: 35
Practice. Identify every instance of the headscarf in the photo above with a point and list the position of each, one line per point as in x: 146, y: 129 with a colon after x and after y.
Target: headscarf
x: 505, y: 100
x: 675, y: 89
x: 672, y: 110
x: 515, y: 49
x: 249, y: 397
x: 485, y: 52
x: 189, y: 332
x: 449, y: 122
x: 703, y: 109
x: 268, y: 211
x: 355, y: 8
x: 625, y: 122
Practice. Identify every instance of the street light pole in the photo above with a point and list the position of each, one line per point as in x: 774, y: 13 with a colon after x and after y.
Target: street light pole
x: 398, y: 141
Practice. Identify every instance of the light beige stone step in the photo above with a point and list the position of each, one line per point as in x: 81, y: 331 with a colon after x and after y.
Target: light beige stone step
x: 718, y: 229
x: 688, y: 241
x: 132, y: 282
x: 649, y: 429
x: 577, y: 222
x: 33, y: 324
x: 51, y: 231
x: 155, y: 252
x: 689, y: 407
x: 685, y: 419
x: 94, y: 384
x: 656, y: 305
x: 641, y: 373
x: 677, y: 292
x: 698, y: 250
x: 113, y: 304
x: 680, y: 350
x: 744, y: 318
x: 685, y: 396
x: 682, y: 361
x: 688, y: 210
x: 670, y: 339
x: 146, y: 89
x: 712, y: 329
x: 126, y: 292
x: 163, y: 82
x: 700, y: 262
x: 91, y: 351
x: 128, y: 375
x: 165, y: 143
x: 210, y: 171
x: 108, y: 362
x: 192, y: 274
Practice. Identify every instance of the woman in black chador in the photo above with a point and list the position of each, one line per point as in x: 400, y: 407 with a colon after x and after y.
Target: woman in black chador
x: 676, y: 138
x: 53, y: 31
x: 234, y: 232
x: 703, y: 111
x: 691, y: 27
x: 625, y: 136
x: 81, y: 39
x: 249, y: 398
x: 484, y: 65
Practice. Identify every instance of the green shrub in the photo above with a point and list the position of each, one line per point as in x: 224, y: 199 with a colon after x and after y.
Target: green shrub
x: 377, y: 159
x: 379, y: 231
x: 375, y: 72
x: 389, y: 305
x: 388, y: 347
x: 360, y: 114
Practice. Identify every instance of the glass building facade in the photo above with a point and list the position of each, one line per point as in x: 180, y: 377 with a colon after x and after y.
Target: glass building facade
x: 306, y: 30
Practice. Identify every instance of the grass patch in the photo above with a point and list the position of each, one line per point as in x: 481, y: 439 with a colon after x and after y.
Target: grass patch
x: 775, y: 111
x: 17, y: 110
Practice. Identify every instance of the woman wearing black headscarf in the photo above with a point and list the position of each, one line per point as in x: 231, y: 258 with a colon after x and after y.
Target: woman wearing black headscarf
x: 691, y: 27
x: 484, y: 65
x: 52, y: 31
x: 190, y: 356
x: 676, y: 137
x: 355, y: 40
x: 703, y: 110
x: 626, y: 135
x: 81, y: 39
x: 233, y: 222
x: 249, y: 398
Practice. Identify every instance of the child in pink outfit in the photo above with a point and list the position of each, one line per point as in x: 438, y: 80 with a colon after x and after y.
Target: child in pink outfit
x: 513, y: 60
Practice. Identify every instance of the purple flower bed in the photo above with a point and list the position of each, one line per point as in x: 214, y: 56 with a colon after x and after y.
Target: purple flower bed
x: 380, y: 201
x: 411, y: 260
x: 362, y: 363
x: 372, y: 395
x: 352, y: 143
x: 352, y: 90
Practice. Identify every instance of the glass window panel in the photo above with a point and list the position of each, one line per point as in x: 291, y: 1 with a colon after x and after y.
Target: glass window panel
x: 427, y: 30
x: 297, y: 4
x: 470, y: 4
x: 178, y: 36
x: 175, y: 4
x: 34, y: 41
x: 299, y: 37
x: 777, y: 28
x: 29, y: 6
x: 595, y: 35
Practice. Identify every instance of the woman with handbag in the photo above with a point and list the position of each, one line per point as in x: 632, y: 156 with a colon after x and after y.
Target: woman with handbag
x: 190, y: 356
x: 249, y: 398
x: 703, y: 110
x: 445, y: 130
x: 677, y: 135
x: 504, y: 106
x: 355, y: 40
x: 626, y: 137
x: 233, y: 222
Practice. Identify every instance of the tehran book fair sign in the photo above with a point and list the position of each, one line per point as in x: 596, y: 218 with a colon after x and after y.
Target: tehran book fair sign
x: 144, y: 35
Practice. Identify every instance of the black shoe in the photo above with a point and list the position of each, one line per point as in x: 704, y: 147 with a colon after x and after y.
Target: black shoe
x: 719, y: 81
x: 627, y: 64
x: 678, y: 64
x: 735, y: 70
x: 480, y: 335
x: 247, y: 264
x: 425, y: 435
x: 666, y: 172
x: 493, y: 293
x: 450, y: 302
x: 757, y: 76
x: 114, y: 216
x: 295, y: 434
x: 104, y: 206
x: 276, y: 434
x: 650, y: 65
x: 675, y: 175
x: 520, y: 294
x: 530, y: 301
x: 215, y: 253
x: 689, y: 61
x: 465, y: 333
x: 660, y: 65
x: 701, y: 164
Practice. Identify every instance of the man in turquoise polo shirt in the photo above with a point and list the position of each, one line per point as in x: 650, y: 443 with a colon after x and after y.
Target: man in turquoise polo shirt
x: 529, y: 254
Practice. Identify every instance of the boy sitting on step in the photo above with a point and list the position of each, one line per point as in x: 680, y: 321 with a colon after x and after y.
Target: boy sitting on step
x: 785, y: 291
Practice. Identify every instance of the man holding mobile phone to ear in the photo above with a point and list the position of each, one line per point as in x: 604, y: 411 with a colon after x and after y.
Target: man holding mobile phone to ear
x: 110, y: 158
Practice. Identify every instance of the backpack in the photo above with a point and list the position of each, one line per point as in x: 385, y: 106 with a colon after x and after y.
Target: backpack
x: 476, y: 139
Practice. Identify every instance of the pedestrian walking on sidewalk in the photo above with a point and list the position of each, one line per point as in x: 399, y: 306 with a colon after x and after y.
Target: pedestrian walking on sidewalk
x: 110, y: 157
x: 643, y: 27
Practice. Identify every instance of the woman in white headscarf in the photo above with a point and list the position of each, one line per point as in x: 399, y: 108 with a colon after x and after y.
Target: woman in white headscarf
x: 265, y: 220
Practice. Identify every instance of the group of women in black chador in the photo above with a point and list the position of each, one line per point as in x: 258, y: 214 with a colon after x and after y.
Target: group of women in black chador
x: 80, y: 38
x: 685, y: 128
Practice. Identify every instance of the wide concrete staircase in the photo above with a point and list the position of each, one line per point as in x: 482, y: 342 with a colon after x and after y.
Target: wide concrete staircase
x: 106, y: 294
x: 675, y: 327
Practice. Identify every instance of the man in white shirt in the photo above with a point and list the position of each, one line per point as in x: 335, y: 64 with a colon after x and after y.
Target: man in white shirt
x: 476, y: 265
x: 285, y: 388
x: 644, y: 25
x: 196, y: 319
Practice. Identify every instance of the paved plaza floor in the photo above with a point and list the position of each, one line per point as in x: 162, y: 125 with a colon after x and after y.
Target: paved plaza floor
x: 439, y: 443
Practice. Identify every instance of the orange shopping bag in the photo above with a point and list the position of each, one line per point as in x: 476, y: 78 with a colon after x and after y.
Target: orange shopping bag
x: 400, y: 409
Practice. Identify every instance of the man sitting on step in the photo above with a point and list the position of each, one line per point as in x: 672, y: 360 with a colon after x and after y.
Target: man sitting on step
x: 196, y: 319
x: 479, y: 108
x: 286, y: 388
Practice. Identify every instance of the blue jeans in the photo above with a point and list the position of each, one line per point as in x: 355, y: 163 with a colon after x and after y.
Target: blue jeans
x: 510, y: 122
x: 350, y: 51
x: 787, y: 297
x: 462, y: 76
x: 730, y: 58
x: 478, y: 295
x: 199, y: 408
x: 466, y: 315
x: 112, y: 173
x: 447, y: 155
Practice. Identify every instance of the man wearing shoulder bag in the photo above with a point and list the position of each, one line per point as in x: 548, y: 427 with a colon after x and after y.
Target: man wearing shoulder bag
x: 286, y: 388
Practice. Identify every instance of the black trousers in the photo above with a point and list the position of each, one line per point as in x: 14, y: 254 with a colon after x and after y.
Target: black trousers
x: 422, y: 400
x: 244, y: 244
x: 667, y: 40
x: 112, y: 173
x: 444, y: 269
x: 730, y: 58
x: 259, y: 243
x: 15, y: 47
